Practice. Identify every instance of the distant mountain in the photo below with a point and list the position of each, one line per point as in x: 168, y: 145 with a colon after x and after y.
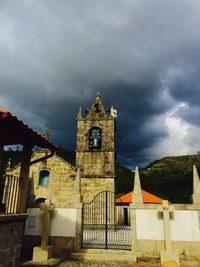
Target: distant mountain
x: 171, y: 177
x: 180, y: 162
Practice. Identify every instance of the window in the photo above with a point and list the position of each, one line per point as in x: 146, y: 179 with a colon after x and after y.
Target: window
x: 44, y: 177
x: 31, y: 221
x: 95, y: 138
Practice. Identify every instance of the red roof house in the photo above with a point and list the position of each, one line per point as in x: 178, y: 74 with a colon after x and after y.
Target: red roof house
x: 147, y: 197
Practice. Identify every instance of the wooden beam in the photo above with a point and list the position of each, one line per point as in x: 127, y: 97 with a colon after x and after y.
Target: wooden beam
x: 1, y: 172
x: 24, y: 176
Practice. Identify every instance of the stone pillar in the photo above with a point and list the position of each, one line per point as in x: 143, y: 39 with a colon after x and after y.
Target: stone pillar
x: 134, y: 243
x: 196, y: 187
x: 168, y: 257
x: 77, y: 188
x: 137, y: 201
x: 137, y: 191
x: 78, y: 238
x: 78, y: 206
x: 196, y: 192
x: 24, y: 176
x: 44, y: 252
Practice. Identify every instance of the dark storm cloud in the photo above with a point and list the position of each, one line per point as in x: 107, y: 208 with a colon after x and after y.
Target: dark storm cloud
x: 142, y: 57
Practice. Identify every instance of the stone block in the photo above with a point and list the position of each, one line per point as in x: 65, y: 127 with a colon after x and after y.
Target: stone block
x: 192, y: 250
x: 42, y: 254
x: 148, y: 247
x: 169, y: 259
x: 160, y: 246
x: 179, y: 246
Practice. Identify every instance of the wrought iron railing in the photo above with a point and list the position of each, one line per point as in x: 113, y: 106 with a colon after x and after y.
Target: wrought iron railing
x: 11, y: 193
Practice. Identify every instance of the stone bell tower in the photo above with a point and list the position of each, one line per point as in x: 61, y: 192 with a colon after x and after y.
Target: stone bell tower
x: 95, y: 149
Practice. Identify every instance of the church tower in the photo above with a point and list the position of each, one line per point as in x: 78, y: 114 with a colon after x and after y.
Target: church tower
x: 95, y: 149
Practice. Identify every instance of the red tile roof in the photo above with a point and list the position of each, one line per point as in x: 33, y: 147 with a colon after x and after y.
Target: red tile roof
x: 147, y: 197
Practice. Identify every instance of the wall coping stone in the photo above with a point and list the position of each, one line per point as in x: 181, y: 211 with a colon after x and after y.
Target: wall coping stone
x: 154, y: 206
x: 12, y: 218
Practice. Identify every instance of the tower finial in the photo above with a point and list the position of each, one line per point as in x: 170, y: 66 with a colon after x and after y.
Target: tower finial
x: 98, y: 94
x: 79, y: 115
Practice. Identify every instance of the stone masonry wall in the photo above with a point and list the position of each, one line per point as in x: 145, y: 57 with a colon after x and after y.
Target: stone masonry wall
x: 90, y: 187
x: 11, y: 234
x: 61, y: 181
x: 96, y: 163
x: 97, y: 166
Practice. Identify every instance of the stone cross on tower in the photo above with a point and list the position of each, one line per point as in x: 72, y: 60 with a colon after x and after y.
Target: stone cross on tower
x: 47, y: 134
x: 167, y: 256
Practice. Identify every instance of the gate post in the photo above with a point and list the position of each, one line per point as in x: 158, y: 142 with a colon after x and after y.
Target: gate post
x: 137, y: 202
x: 78, y: 206
x: 134, y: 245
x: 78, y: 237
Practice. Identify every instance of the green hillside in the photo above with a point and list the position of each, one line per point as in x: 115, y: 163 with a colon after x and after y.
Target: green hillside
x: 171, y: 177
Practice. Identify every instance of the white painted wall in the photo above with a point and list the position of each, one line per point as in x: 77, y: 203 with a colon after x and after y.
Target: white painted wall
x: 184, y: 226
x: 63, y: 222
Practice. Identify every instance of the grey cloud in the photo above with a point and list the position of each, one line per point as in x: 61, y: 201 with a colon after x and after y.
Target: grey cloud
x: 55, y: 55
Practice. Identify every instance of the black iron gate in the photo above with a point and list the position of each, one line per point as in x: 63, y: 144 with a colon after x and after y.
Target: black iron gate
x: 99, y: 227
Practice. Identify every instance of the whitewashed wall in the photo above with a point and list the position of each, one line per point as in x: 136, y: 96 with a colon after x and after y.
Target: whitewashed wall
x: 63, y: 222
x: 184, y: 226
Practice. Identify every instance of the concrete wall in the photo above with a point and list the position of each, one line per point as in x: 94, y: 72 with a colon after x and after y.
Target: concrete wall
x: 148, y: 232
x: 63, y: 222
x: 64, y: 231
x: 11, y: 233
x: 184, y: 225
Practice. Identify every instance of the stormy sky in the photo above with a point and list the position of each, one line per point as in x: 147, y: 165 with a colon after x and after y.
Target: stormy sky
x: 142, y: 56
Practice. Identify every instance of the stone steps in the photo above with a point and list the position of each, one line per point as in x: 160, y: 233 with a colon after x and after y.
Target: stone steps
x: 104, y: 255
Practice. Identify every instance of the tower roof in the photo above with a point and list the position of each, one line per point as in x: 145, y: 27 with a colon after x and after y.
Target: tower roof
x: 79, y: 115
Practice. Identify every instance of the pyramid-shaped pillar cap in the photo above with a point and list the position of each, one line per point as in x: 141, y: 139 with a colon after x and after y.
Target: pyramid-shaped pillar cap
x: 196, y: 186
x: 80, y: 116
x: 137, y: 191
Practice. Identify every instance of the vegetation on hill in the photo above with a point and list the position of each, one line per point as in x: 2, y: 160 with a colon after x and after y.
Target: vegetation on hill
x: 69, y: 156
x: 124, y: 180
